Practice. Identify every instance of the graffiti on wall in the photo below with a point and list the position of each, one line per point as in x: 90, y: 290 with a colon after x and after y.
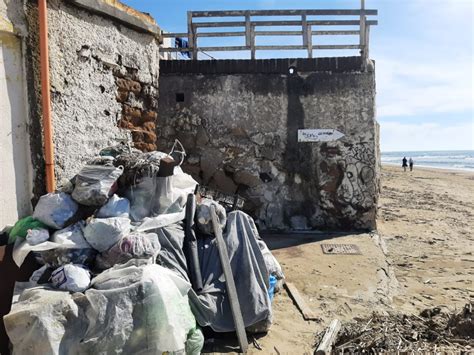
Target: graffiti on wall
x: 358, y: 187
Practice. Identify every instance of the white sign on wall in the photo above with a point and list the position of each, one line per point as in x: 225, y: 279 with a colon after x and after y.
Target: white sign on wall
x: 318, y: 135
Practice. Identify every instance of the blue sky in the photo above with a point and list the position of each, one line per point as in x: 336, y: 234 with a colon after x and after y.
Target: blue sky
x: 424, y: 63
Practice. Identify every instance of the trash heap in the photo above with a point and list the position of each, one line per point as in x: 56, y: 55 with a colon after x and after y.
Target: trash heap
x: 129, y: 263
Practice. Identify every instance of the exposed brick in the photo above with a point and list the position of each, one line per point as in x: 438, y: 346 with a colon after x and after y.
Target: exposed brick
x: 122, y: 96
x: 149, y: 116
x: 129, y: 85
x: 131, y: 111
x: 149, y: 126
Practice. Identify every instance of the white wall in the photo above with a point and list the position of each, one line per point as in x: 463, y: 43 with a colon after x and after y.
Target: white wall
x: 15, y: 162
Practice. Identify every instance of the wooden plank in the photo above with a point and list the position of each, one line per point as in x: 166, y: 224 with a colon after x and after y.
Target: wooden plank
x: 282, y: 23
x: 220, y: 34
x: 278, y: 33
x: 223, y: 49
x: 220, y: 24
x: 335, y: 33
x: 229, y: 282
x: 174, y: 35
x: 260, y: 33
x: 173, y: 49
x: 300, y: 303
x: 336, y: 46
x: 325, y: 346
x: 329, y: 12
x: 191, y: 39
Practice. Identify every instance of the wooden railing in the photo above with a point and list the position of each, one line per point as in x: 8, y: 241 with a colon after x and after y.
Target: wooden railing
x: 248, y: 27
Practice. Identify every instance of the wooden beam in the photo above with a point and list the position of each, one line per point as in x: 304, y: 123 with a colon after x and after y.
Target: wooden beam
x: 220, y: 34
x: 309, y: 30
x: 300, y: 303
x: 304, y: 26
x: 235, y: 13
x: 252, y: 42
x: 223, y: 49
x: 247, y: 29
x: 282, y: 23
x: 325, y: 346
x: 335, y: 33
x: 191, y: 40
x: 174, y: 35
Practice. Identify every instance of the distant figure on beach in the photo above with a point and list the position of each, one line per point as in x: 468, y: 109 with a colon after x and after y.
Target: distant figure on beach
x: 411, y: 164
x: 404, y: 164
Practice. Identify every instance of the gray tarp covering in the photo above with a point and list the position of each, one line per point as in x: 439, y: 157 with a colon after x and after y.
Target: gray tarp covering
x: 211, y: 306
x: 132, y: 308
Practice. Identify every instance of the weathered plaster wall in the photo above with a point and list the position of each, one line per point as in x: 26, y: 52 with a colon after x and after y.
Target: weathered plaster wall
x: 238, y: 121
x: 101, y: 71
x: 15, y: 162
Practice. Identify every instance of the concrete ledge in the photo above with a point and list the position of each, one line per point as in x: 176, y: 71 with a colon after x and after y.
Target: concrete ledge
x: 268, y: 66
x: 125, y: 14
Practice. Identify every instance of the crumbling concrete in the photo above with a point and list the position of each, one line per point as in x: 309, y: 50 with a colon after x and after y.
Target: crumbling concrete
x: 103, y: 74
x: 238, y: 121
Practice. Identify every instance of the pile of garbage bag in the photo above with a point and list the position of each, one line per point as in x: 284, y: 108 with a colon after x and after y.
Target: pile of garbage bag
x: 128, y: 263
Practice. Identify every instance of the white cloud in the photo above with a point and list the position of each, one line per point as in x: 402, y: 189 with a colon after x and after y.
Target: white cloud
x: 396, y: 136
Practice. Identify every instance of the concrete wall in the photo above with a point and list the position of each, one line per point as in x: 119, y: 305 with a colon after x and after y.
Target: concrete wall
x: 238, y: 121
x: 15, y: 162
x: 104, y: 83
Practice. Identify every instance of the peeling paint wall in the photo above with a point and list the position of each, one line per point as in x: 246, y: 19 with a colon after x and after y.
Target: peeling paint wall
x: 238, y: 121
x: 15, y: 162
x: 92, y: 58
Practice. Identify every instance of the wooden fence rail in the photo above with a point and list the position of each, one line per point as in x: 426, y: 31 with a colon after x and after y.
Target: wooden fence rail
x: 250, y: 24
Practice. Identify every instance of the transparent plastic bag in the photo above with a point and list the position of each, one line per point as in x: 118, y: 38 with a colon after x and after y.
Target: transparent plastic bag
x: 95, y: 183
x: 37, y: 236
x: 115, y: 207
x: 132, y: 246
x: 55, y: 209
x: 103, y: 233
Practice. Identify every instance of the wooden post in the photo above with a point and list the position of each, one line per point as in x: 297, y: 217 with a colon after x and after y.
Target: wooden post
x: 247, y: 29
x: 252, y: 42
x: 309, y: 31
x: 192, y: 40
x: 304, y: 30
x: 362, y: 41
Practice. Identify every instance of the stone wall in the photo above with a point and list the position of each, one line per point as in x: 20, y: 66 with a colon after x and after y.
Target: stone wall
x: 104, y: 83
x: 238, y: 121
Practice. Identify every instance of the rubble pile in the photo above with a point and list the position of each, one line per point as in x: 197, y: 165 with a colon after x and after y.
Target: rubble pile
x: 125, y: 265
x: 434, y: 330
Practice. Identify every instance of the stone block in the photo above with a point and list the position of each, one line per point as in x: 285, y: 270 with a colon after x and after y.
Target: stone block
x: 131, y: 111
x: 202, y: 138
x: 122, y: 96
x: 223, y: 183
x: 246, y: 178
x: 211, y: 160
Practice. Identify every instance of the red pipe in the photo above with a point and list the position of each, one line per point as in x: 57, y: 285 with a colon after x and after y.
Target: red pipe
x: 46, y: 96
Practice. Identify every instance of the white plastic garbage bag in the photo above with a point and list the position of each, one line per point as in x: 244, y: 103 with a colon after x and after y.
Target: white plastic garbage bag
x: 55, y: 209
x: 156, y: 196
x: 94, y: 184
x: 131, y: 308
x: 103, y: 233
x: 203, y: 216
x: 37, y: 236
x: 115, y: 207
x: 71, y: 237
x: 71, y: 277
x: 132, y: 246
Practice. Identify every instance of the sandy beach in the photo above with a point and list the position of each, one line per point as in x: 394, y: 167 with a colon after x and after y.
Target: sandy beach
x: 422, y: 256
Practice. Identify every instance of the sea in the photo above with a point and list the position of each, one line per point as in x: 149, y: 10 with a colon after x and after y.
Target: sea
x: 447, y: 159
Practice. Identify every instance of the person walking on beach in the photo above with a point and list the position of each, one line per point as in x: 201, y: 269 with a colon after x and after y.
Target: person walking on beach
x: 404, y: 164
x: 411, y: 164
